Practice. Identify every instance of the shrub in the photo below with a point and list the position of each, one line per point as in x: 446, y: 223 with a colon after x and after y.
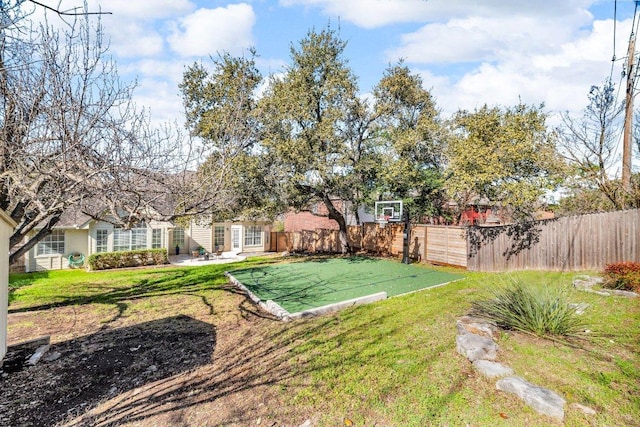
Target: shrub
x: 520, y: 308
x: 622, y: 275
x: 108, y: 260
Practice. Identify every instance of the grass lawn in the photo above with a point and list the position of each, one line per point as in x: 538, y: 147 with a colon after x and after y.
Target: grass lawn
x: 298, y: 286
x: 389, y: 363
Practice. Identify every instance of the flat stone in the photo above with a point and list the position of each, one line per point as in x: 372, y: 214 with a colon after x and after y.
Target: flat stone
x: 52, y: 357
x: 622, y: 293
x: 584, y: 409
x: 579, y: 307
x: 492, y: 369
x: 542, y: 400
x: 586, y: 282
x: 476, y: 325
x: 475, y: 347
x: 35, y: 358
x: 610, y: 292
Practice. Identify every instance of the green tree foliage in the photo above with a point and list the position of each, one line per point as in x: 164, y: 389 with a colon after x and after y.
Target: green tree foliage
x: 410, y: 133
x: 506, y: 155
x: 310, y: 118
x: 221, y: 109
x: 583, y: 200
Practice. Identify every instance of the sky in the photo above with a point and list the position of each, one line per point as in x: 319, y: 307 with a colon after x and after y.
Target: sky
x: 468, y: 52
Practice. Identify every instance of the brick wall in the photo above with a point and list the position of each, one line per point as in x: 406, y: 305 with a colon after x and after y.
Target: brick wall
x: 300, y: 221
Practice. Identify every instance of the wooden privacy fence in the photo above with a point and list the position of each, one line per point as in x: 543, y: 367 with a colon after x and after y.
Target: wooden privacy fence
x: 435, y: 244
x: 585, y: 242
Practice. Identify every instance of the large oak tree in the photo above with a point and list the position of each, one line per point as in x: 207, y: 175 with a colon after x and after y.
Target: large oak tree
x: 310, y: 117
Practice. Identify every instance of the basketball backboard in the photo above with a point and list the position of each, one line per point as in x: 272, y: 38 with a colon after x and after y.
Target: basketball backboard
x: 389, y: 211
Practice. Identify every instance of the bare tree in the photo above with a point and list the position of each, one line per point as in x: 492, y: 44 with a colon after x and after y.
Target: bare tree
x: 589, y: 144
x: 71, y: 138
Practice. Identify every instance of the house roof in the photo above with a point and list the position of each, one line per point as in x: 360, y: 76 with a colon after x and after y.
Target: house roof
x: 73, y: 218
x: 6, y: 218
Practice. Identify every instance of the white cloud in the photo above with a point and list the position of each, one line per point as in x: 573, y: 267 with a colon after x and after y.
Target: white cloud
x: 533, y: 56
x: 475, y: 38
x: 161, y: 99
x: 167, y: 70
x: 372, y: 14
x: 148, y: 10
x: 131, y: 27
x: 367, y: 13
x: 133, y: 39
x: 207, y: 31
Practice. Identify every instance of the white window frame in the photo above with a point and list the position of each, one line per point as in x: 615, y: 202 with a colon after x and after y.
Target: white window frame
x: 156, y: 238
x: 55, y: 240
x: 178, y: 231
x: 253, y: 235
x: 218, y: 236
x: 102, y: 246
x: 139, y: 238
x: 132, y: 239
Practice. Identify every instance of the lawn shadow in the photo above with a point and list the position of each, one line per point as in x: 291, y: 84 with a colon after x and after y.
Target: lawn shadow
x: 255, y: 362
x: 186, y: 280
x: 96, y: 367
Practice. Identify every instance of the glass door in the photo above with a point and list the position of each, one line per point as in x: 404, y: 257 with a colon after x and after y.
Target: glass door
x: 235, y: 238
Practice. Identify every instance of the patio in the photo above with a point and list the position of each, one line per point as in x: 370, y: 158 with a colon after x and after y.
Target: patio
x: 188, y: 259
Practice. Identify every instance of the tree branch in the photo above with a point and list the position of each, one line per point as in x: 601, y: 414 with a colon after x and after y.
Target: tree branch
x: 67, y: 13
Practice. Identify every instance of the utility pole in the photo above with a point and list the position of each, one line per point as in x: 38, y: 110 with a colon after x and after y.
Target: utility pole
x: 628, y: 116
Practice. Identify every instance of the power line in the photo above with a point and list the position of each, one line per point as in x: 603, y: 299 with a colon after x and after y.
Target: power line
x: 615, y: 20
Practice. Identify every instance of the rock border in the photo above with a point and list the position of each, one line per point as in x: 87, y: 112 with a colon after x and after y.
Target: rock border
x: 586, y: 283
x: 476, y: 342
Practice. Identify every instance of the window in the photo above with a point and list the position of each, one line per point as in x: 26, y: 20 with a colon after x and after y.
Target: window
x: 138, y: 238
x: 121, y: 239
x: 178, y: 237
x: 125, y: 240
x: 102, y: 240
x: 218, y: 236
x: 53, y: 244
x: 253, y: 236
x: 156, y: 238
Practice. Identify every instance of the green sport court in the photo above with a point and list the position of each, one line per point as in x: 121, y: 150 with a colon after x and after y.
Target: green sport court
x: 302, y: 287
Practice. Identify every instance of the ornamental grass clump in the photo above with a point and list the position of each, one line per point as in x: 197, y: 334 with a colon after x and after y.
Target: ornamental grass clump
x: 540, y: 312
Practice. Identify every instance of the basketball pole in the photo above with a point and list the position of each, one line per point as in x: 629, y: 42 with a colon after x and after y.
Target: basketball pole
x: 406, y: 237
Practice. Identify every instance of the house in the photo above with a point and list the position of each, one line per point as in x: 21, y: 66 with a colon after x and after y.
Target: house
x: 235, y: 236
x: 80, y: 235
x: 6, y: 229
x: 317, y: 217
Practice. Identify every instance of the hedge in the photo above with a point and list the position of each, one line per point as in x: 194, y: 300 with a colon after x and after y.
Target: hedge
x: 122, y: 259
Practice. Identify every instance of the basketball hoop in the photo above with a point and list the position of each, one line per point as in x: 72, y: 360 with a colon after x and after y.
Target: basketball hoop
x: 382, y: 223
x: 388, y: 211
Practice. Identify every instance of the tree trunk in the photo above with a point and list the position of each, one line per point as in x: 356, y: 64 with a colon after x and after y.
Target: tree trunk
x: 42, y: 233
x: 338, y: 216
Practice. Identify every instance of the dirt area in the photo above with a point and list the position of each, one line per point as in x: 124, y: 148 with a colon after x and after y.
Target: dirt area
x: 211, y: 365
